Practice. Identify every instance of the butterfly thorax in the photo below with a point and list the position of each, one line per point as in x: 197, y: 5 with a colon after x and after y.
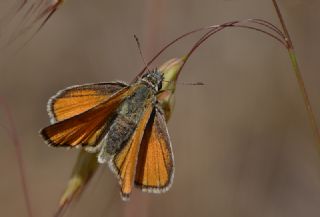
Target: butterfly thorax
x: 130, y: 112
x: 153, y: 79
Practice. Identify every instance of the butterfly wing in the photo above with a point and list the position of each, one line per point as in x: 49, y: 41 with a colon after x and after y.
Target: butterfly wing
x: 86, y: 128
x: 123, y: 164
x: 78, y: 99
x: 155, y: 165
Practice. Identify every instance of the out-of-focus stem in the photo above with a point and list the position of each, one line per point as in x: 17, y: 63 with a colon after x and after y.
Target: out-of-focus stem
x: 17, y: 145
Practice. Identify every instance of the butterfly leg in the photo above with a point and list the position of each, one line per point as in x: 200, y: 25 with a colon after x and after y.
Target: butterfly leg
x: 103, y: 156
x: 94, y: 149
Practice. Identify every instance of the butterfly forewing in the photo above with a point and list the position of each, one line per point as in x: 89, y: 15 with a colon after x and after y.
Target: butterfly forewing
x: 87, y: 128
x: 78, y: 99
x: 154, y: 171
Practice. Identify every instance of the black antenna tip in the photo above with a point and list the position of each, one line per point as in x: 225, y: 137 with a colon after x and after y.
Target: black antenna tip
x: 136, y: 38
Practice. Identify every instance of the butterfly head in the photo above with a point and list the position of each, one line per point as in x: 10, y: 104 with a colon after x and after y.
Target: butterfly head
x: 153, y: 79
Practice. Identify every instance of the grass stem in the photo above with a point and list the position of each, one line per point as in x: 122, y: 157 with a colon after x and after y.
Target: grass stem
x: 298, y: 74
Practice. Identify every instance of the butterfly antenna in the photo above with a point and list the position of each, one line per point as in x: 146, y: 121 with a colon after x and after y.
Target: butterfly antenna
x: 187, y: 83
x: 140, y: 51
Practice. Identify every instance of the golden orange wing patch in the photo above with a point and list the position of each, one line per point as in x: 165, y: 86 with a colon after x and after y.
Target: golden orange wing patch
x: 78, y: 99
x: 87, y: 128
x: 155, y: 167
x: 124, y: 163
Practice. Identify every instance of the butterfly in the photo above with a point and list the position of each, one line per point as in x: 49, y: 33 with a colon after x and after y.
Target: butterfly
x: 124, y: 124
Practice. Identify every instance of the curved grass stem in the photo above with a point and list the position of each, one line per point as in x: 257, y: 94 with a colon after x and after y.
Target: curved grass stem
x: 239, y: 24
x: 271, y: 31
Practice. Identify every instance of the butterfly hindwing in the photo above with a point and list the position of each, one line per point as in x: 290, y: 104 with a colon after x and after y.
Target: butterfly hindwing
x: 78, y: 99
x: 124, y: 162
x: 86, y: 128
x: 155, y: 165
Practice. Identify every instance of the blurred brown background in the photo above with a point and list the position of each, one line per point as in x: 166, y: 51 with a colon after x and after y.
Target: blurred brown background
x: 242, y: 143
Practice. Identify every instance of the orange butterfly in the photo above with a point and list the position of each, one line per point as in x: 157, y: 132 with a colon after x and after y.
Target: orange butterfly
x: 123, y: 123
